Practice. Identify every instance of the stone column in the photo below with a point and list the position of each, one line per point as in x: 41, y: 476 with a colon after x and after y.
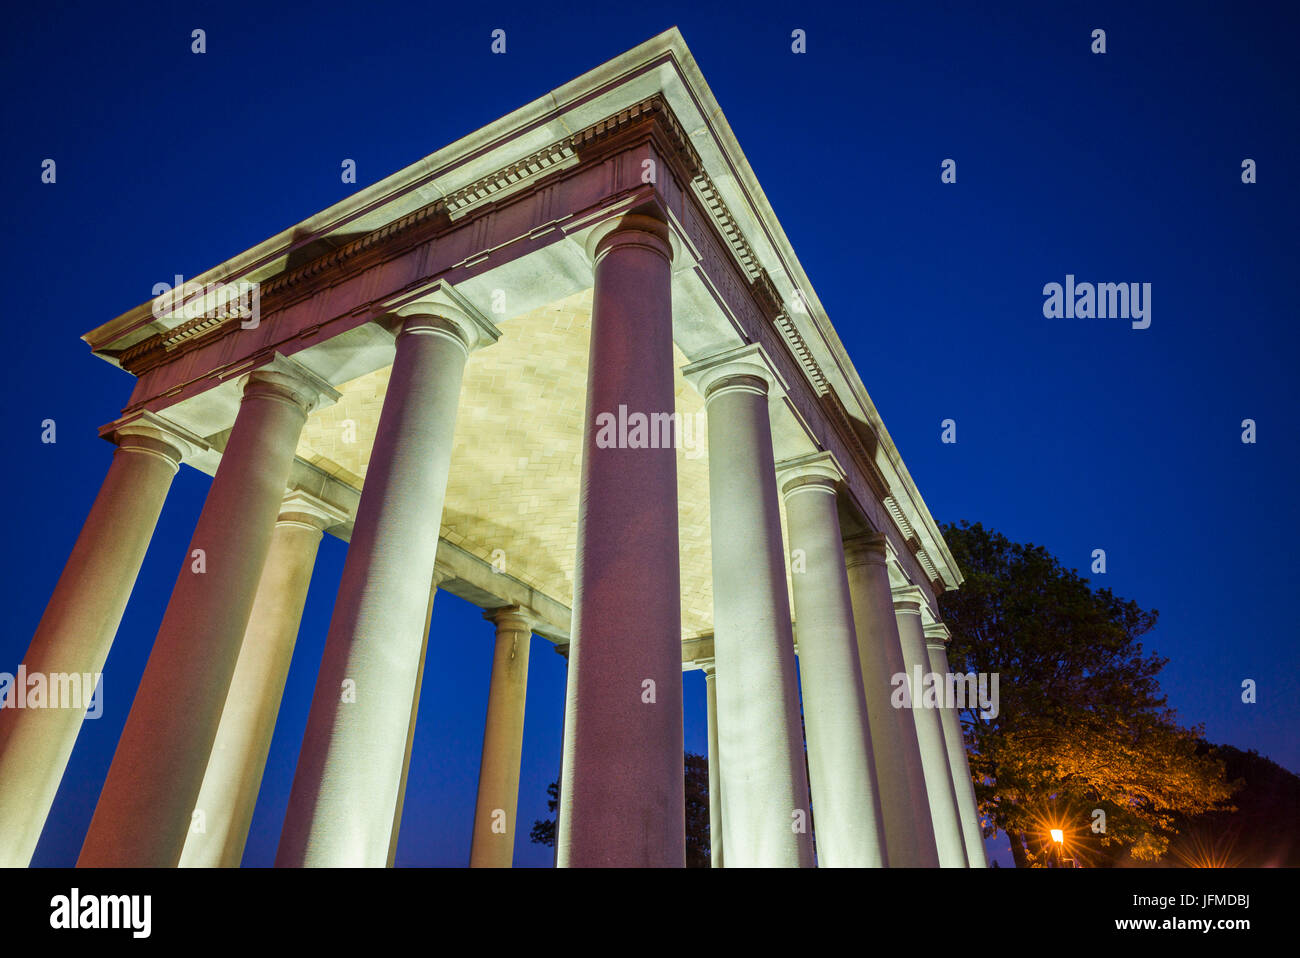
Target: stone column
x: 493, y: 843
x: 765, y: 814
x: 936, y: 638
x: 841, y: 769
x: 439, y: 577
x: 77, y: 630
x: 715, y: 769
x: 345, y: 790
x: 224, y: 810
x: 622, y: 792
x: 929, y: 732
x: 909, y: 833
x: 563, y: 652
x: 145, y: 808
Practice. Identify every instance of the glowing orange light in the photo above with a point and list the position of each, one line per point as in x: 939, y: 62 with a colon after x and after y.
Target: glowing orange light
x: 1058, y: 836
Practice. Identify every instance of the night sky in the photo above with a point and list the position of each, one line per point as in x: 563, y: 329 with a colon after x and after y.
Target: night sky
x: 1075, y: 434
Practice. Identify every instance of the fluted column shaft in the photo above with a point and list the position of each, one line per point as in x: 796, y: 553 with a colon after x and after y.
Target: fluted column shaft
x: 904, y: 805
x: 841, y: 769
x: 765, y: 817
x: 77, y: 630
x: 144, y: 810
x: 715, y: 770
x: 959, y: 767
x: 622, y: 797
x: 929, y: 734
x: 438, y: 578
x: 493, y: 843
x: 346, y: 787
x: 224, y: 810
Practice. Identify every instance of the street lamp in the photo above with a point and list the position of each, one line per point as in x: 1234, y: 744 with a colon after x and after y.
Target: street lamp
x: 1058, y: 836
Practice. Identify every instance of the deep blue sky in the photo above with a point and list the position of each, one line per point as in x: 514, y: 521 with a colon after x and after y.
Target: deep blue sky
x: 1075, y: 434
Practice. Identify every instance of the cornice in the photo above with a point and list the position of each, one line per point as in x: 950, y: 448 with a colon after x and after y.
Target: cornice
x: 654, y: 108
x: 728, y: 228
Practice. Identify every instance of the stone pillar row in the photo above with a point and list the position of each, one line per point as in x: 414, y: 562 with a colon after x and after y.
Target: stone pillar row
x: 904, y: 804
x: 224, y: 809
x: 144, y: 810
x: 841, y: 765
x: 888, y: 786
x: 936, y: 642
x: 766, y: 815
x: 347, y: 784
x: 939, y: 786
x: 80, y: 621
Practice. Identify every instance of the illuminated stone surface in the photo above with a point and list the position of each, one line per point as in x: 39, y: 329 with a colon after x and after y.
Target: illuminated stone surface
x: 765, y: 808
x: 909, y: 830
x: 841, y: 768
x: 229, y: 793
x: 929, y: 734
x: 79, y: 624
x: 936, y: 638
x: 493, y: 842
x: 145, y: 808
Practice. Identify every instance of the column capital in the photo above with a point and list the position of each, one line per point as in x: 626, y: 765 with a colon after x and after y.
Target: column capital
x: 909, y: 600
x: 630, y: 229
x: 819, y: 471
x: 284, y: 379
x: 514, y: 617
x: 438, y: 309
x: 149, y: 433
x: 304, y: 509
x: 937, y: 635
x: 865, y: 548
x: 746, y: 367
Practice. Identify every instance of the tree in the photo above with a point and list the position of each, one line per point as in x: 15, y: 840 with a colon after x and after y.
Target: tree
x: 1082, y: 727
x: 698, y: 849
x: 543, y: 830
x: 697, y: 813
x: 1263, y: 831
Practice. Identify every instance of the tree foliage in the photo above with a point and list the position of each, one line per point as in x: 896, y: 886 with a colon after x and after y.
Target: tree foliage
x: 1262, y: 831
x: 1082, y: 723
x: 543, y: 830
x: 698, y: 853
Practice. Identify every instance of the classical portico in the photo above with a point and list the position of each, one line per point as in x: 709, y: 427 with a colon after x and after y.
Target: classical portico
x: 569, y: 369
